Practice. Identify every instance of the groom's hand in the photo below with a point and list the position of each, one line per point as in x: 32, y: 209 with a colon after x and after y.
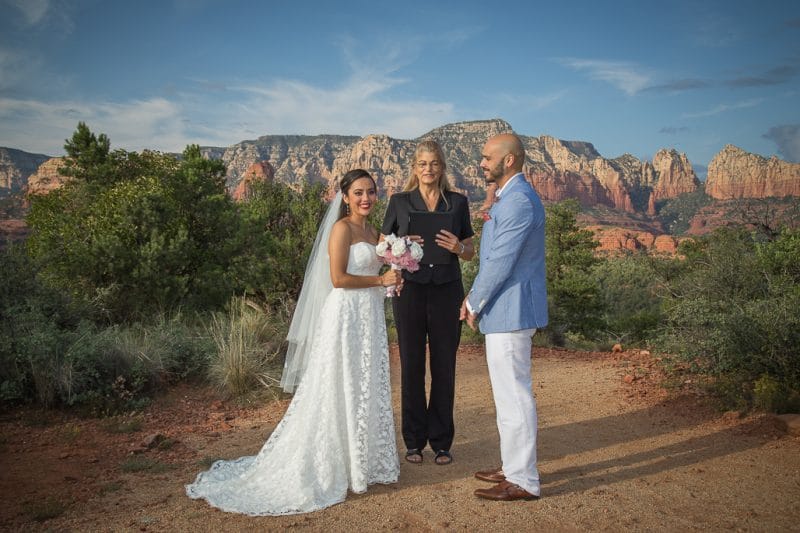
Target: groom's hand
x: 464, y: 314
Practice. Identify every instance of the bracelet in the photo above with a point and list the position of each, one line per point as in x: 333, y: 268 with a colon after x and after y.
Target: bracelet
x: 461, y: 252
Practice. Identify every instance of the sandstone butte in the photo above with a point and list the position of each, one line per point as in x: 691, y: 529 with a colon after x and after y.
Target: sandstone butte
x: 734, y: 173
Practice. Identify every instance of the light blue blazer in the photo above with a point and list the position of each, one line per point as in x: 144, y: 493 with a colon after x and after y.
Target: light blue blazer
x: 510, y: 291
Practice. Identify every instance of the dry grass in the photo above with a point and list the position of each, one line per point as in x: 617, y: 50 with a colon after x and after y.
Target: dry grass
x: 249, y: 342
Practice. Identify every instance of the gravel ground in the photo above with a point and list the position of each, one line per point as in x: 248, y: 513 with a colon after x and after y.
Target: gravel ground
x: 617, y: 452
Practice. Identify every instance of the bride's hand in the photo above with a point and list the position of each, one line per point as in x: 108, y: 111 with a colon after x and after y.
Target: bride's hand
x: 391, y: 277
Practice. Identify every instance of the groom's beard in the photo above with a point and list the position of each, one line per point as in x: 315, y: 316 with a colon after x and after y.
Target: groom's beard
x: 493, y: 174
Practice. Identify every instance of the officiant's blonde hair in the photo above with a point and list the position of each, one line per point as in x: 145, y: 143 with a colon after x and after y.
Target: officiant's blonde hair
x: 431, y: 147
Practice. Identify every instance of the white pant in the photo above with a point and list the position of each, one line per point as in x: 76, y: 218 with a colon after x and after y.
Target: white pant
x: 509, y: 358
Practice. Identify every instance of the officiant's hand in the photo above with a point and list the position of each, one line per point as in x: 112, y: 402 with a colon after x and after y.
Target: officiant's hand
x: 449, y: 241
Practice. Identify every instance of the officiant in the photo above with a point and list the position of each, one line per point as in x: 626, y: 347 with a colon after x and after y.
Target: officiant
x: 426, y: 312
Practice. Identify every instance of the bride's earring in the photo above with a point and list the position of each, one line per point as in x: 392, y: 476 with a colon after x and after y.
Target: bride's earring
x: 347, y: 208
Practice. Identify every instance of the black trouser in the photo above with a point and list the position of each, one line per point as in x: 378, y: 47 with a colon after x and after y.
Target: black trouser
x: 428, y: 314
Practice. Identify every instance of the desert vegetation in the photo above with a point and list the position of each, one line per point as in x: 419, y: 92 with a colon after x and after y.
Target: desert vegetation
x: 141, y: 272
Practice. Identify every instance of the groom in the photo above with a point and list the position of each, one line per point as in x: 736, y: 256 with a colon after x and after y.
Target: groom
x: 510, y: 300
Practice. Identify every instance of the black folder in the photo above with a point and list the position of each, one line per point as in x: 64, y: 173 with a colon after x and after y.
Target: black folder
x: 427, y: 224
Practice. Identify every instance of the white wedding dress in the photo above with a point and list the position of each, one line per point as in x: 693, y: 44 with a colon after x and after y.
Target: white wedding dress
x: 338, y: 431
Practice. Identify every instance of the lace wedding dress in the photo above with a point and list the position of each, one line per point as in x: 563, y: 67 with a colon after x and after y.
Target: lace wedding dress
x: 338, y: 431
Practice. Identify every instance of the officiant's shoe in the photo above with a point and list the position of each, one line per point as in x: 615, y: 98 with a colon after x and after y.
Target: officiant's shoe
x: 494, y: 475
x: 505, y: 492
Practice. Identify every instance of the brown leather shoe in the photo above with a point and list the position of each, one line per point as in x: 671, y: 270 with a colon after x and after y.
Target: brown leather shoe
x: 494, y: 475
x: 505, y: 492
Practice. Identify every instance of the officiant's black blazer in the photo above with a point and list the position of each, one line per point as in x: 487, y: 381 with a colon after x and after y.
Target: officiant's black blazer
x: 396, y: 221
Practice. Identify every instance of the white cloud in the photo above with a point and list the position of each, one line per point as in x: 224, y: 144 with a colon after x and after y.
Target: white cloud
x: 623, y: 75
x: 212, y: 118
x: 53, y: 16
x: 359, y: 105
x: 33, y: 11
x: 355, y: 108
x: 43, y: 127
x: 722, y: 108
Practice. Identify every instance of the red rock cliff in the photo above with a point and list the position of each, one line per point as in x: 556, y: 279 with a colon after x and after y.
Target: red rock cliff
x: 259, y: 171
x: 734, y: 173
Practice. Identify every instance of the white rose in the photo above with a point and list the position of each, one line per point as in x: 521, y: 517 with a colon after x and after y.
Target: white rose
x: 416, y: 251
x: 390, y: 239
x: 399, y: 247
x: 381, y: 248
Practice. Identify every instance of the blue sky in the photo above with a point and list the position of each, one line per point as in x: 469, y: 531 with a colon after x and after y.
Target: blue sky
x: 627, y: 76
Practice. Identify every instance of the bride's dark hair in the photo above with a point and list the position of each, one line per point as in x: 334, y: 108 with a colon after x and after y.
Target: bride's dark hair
x: 345, y: 183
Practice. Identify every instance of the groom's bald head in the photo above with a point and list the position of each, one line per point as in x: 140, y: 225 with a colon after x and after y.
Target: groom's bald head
x: 509, y: 143
x: 503, y: 156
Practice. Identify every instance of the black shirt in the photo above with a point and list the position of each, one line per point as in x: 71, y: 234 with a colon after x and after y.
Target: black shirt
x: 396, y: 221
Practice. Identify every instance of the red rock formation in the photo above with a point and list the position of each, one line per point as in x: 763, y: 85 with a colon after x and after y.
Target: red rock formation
x: 557, y: 186
x: 15, y: 167
x: 675, y: 175
x: 614, y: 184
x: 651, y: 205
x: 614, y: 239
x: 562, y: 169
x: 380, y: 155
x: 47, y: 178
x: 260, y: 171
x: 666, y: 244
x: 734, y: 173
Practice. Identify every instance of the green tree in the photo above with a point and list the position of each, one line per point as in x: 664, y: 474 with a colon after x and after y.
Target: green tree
x: 135, y: 233
x: 277, y: 230
x: 89, y: 157
x: 573, y: 297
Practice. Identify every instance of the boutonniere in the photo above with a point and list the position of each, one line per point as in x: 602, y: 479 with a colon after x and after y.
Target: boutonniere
x: 486, y: 216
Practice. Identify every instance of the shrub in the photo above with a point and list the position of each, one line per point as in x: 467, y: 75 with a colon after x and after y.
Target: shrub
x: 676, y: 213
x: 735, y: 307
x: 631, y: 305
x: 45, y: 509
x: 52, y: 354
x: 768, y: 393
x: 250, y: 343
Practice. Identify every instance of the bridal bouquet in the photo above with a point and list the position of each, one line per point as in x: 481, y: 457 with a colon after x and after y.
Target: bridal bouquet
x: 400, y: 253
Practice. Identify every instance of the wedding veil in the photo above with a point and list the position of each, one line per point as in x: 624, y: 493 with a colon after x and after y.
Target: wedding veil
x: 316, y: 287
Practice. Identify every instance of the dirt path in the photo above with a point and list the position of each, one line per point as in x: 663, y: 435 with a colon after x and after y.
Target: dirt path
x: 613, y: 456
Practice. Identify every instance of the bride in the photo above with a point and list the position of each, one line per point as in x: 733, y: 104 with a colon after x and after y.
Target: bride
x: 338, y: 431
